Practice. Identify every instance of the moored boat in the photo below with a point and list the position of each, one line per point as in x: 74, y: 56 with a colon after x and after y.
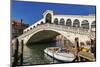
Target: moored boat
x: 60, y: 54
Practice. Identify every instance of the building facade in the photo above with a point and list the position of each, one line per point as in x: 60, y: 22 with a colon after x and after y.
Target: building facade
x: 18, y: 27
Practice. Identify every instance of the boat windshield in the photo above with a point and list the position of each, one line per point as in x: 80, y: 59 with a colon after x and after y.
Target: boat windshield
x: 63, y: 51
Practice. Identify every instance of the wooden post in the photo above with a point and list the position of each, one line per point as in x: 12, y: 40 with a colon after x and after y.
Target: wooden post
x: 21, y: 56
x: 16, y: 53
x: 77, y: 47
x: 93, y: 47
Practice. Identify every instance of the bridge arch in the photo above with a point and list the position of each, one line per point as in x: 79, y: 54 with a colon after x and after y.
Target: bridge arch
x: 85, y: 24
x: 93, y: 26
x: 45, y: 30
x: 46, y: 34
x: 48, y: 18
x: 76, y: 23
x: 69, y: 22
x: 56, y: 21
x: 62, y: 21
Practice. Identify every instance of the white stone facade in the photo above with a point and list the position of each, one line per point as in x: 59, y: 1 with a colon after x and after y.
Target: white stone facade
x: 83, y: 21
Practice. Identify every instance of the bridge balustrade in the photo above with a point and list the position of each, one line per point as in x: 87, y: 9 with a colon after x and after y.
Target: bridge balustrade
x: 60, y: 28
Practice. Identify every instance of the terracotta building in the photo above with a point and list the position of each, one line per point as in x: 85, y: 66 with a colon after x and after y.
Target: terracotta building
x: 18, y: 27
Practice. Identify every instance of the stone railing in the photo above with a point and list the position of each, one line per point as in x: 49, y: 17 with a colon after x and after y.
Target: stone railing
x: 60, y: 28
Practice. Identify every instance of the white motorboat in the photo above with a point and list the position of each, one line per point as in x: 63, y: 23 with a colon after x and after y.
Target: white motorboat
x: 60, y: 54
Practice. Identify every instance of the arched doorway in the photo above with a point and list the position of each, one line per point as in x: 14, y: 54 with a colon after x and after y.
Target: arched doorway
x: 48, y: 18
x: 68, y: 22
x: 85, y: 24
x: 93, y: 26
x: 62, y: 21
x: 76, y: 23
x: 56, y: 21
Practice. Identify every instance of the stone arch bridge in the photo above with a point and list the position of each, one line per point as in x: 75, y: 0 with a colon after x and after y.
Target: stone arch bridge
x: 52, y: 25
x: 47, y: 31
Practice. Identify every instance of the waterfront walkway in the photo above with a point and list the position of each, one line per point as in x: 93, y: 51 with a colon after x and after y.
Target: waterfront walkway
x: 87, y: 55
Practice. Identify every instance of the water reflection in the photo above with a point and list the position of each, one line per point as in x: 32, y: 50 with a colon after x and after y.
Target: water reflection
x: 33, y: 54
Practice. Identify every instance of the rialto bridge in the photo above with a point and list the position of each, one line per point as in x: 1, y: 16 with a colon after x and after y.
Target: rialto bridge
x: 52, y: 25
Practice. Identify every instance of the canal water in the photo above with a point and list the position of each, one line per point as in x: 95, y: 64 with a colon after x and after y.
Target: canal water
x: 34, y: 54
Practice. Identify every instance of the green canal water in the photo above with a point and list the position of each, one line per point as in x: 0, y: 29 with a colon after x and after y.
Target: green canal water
x: 34, y: 54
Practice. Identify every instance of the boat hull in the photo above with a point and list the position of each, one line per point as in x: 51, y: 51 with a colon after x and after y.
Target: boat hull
x: 59, y: 56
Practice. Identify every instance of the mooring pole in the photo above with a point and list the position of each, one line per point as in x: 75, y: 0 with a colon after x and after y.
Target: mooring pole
x: 21, y: 56
x: 16, y: 53
x: 93, y: 47
x: 77, y: 47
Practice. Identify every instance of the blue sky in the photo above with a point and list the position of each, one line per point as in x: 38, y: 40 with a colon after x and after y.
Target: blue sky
x: 31, y: 12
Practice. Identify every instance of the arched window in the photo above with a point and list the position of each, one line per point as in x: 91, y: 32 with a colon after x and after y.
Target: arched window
x: 68, y: 22
x: 62, y: 21
x: 48, y: 18
x: 93, y: 26
x: 76, y: 23
x: 55, y: 21
x: 85, y: 24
